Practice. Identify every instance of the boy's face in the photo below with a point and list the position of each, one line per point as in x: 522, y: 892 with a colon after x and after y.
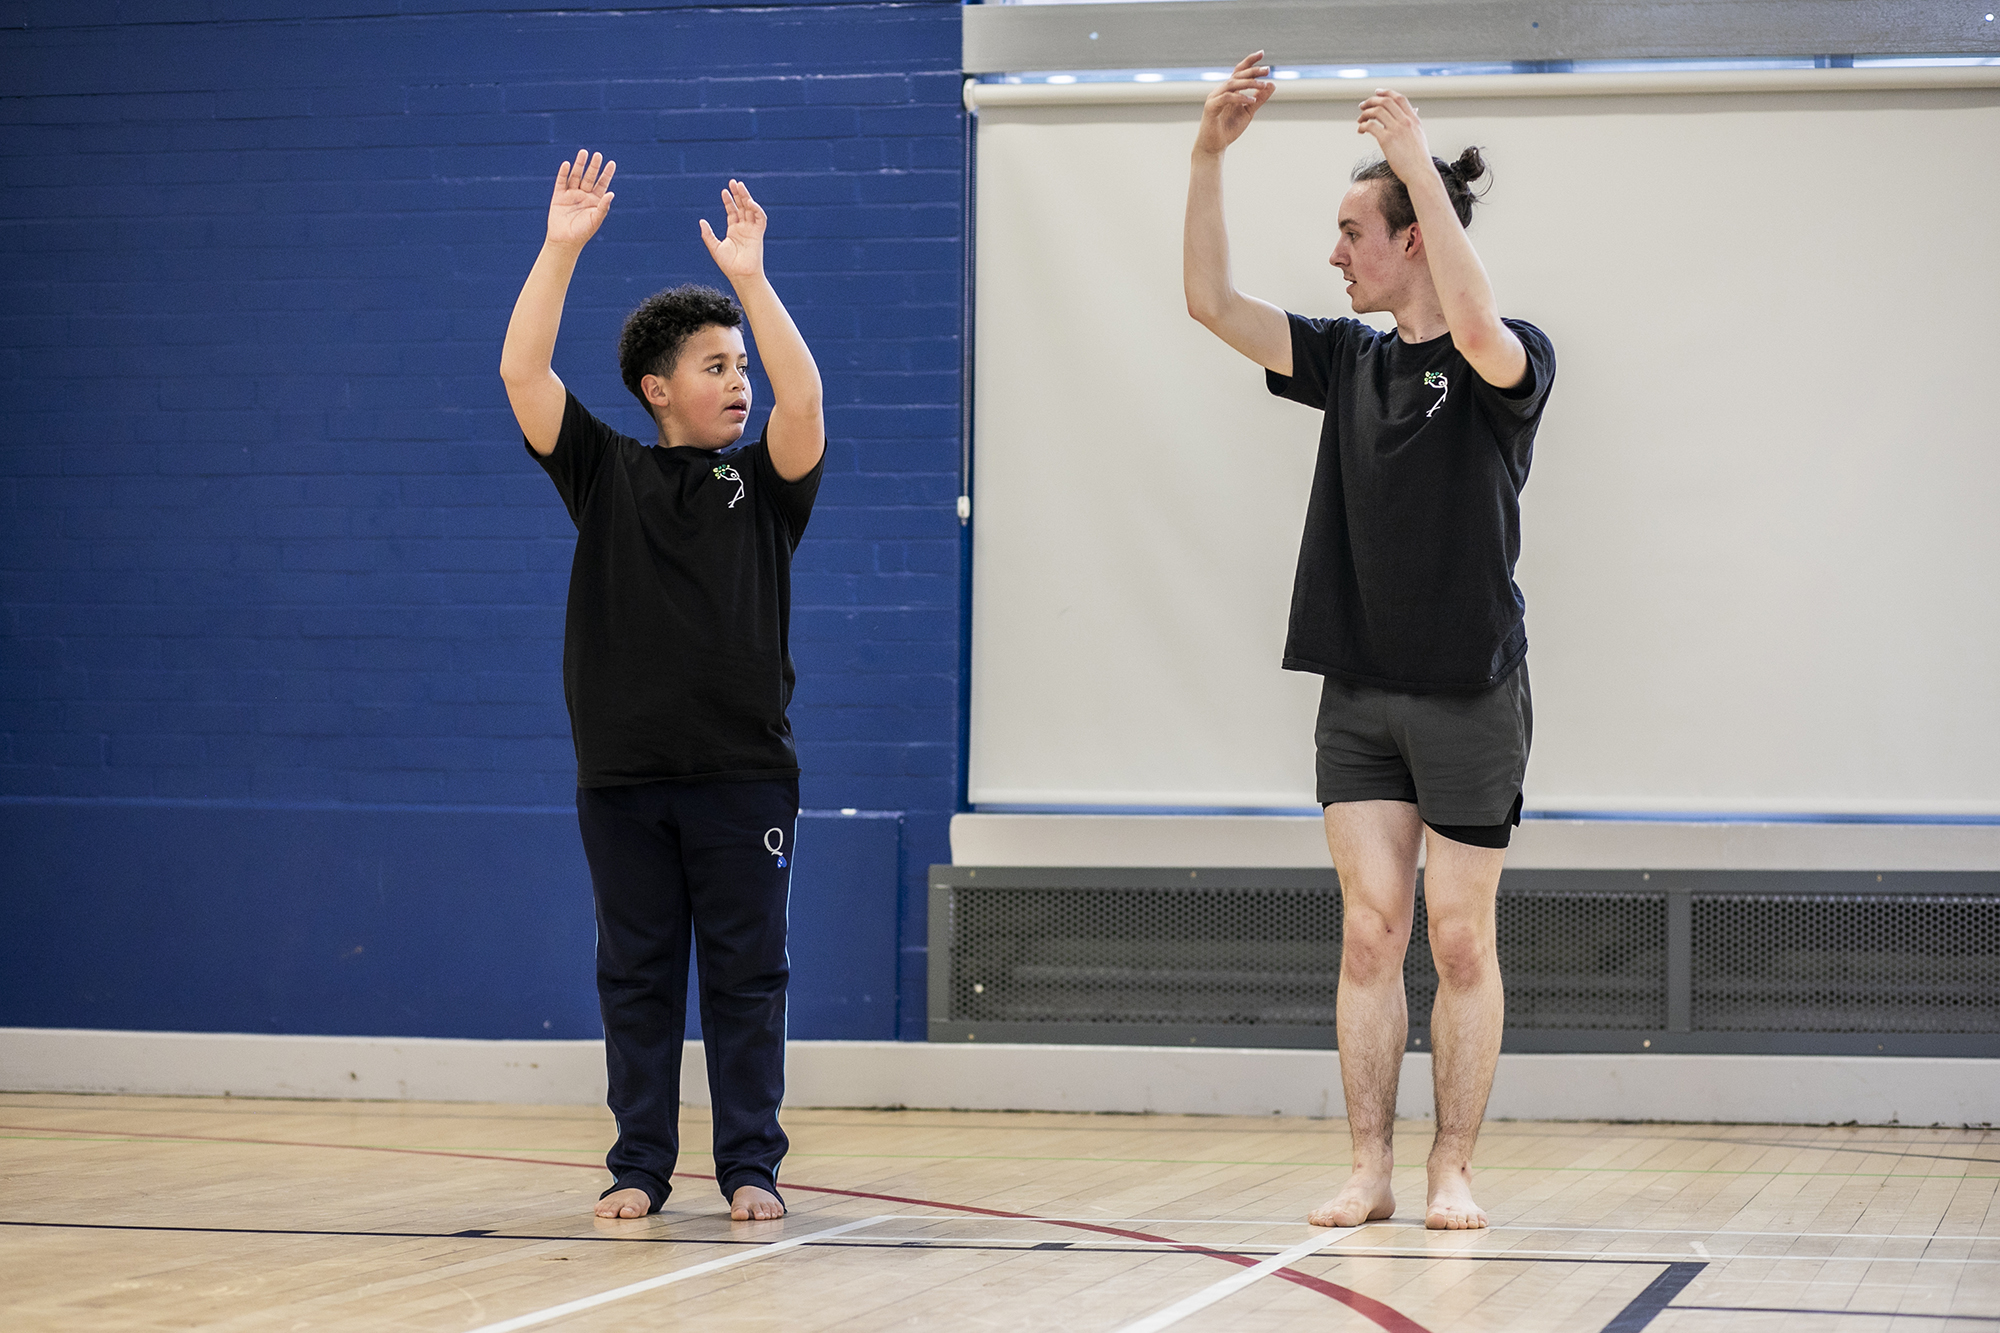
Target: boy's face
x: 706, y: 399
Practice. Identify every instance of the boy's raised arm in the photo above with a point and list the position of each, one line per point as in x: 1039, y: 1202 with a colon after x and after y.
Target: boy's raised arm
x: 797, y: 433
x: 581, y: 200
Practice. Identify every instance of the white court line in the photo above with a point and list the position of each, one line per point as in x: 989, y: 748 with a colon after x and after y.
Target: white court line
x: 668, y: 1279
x: 1208, y: 1296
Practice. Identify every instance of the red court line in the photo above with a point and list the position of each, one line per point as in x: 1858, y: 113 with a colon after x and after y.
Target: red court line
x: 1387, y: 1317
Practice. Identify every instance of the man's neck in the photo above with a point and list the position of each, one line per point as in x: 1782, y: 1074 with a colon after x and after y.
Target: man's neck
x: 1421, y: 321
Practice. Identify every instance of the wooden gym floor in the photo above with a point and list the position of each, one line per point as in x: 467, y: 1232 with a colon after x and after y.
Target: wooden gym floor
x: 131, y: 1213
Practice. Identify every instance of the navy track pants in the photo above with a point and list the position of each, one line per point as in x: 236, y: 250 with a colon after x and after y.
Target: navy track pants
x: 714, y: 859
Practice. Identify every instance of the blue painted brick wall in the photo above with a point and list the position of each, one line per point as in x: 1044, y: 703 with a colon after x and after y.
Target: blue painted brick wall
x: 270, y: 535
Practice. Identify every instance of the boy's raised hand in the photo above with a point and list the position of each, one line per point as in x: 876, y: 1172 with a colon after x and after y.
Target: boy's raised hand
x: 740, y: 252
x: 582, y: 199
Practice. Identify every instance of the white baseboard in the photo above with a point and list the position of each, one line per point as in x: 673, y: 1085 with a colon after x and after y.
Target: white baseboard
x: 1754, y: 1089
x: 231, y: 1064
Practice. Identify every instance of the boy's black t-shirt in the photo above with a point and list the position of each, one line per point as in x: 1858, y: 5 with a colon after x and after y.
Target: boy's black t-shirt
x: 1406, y: 569
x: 676, y: 648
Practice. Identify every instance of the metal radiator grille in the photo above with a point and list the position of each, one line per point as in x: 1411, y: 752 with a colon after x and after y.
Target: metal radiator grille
x: 1863, y: 963
x: 1823, y: 962
x: 1216, y: 957
x: 1206, y: 957
x: 1589, y: 961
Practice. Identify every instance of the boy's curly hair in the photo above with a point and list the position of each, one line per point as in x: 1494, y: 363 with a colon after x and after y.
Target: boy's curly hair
x: 654, y: 334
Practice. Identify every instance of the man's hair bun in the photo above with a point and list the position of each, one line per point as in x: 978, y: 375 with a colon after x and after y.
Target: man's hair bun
x: 1457, y: 176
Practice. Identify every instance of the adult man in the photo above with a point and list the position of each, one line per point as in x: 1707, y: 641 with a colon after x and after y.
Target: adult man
x: 1405, y: 602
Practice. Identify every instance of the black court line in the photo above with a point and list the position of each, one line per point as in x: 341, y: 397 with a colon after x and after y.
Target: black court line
x: 939, y: 1242
x: 1020, y: 1247
x: 1489, y: 1132
x: 310, y: 1106
x: 1646, y: 1306
x: 1636, y: 1315
x: 380, y: 1235
x: 1873, y: 1314
x: 1866, y: 1152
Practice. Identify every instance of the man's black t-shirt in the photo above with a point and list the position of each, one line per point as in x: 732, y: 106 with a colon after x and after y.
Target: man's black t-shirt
x: 1406, y: 570
x: 676, y: 650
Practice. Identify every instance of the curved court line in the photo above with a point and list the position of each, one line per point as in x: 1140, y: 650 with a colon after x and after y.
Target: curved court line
x: 1387, y: 1317
x: 1229, y: 1286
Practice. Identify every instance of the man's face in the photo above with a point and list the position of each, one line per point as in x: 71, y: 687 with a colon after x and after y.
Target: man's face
x: 1374, y: 261
x: 706, y: 399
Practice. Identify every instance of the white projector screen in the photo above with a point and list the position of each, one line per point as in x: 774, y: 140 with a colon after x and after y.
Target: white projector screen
x: 1762, y: 534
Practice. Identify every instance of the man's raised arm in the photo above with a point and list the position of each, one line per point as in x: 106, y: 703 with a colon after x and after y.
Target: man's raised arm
x: 1255, y: 328
x: 1464, y: 291
x: 581, y: 200
x: 797, y: 431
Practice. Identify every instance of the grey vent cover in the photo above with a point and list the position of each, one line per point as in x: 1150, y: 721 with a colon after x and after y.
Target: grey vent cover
x: 1592, y: 960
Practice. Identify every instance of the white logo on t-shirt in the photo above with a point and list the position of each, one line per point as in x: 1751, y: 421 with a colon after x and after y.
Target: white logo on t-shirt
x: 1434, y: 379
x: 727, y: 473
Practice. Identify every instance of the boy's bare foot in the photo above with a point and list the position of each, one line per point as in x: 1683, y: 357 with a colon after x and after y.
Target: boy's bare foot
x: 1450, y: 1207
x: 1364, y: 1198
x: 750, y: 1204
x: 625, y: 1203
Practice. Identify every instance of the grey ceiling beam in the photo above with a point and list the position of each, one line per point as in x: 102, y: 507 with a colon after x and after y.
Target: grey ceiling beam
x: 1185, y: 33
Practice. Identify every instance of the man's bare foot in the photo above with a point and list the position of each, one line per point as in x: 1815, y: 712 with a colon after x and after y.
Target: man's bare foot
x: 1450, y: 1207
x: 1364, y: 1198
x: 625, y: 1203
x: 750, y: 1204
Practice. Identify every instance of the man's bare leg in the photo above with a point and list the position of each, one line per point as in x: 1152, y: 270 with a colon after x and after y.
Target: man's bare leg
x: 1460, y: 882
x: 750, y: 1204
x: 625, y: 1203
x: 1374, y: 845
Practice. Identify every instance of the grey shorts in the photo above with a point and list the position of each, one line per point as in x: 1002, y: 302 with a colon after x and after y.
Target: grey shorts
x: 1460, y: 757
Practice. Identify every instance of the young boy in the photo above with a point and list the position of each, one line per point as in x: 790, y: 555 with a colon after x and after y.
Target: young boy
x: 677, y: 673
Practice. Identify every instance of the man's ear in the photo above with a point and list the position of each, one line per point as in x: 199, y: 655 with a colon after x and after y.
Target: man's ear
x: 1413, y: 241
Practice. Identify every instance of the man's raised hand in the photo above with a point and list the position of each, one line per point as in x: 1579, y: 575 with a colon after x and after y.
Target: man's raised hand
x: 1227, y: 111
x: 1398, y: 131
x: 740, y: 252
x: 581, y: 200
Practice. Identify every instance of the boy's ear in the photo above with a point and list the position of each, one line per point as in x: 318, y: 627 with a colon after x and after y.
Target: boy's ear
x: 655, y: 390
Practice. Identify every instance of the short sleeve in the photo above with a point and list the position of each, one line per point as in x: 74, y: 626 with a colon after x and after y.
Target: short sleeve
x: 793, y: 500
x: 582, y: 445
x: 1522, y: 403
x: 1313, y: 347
